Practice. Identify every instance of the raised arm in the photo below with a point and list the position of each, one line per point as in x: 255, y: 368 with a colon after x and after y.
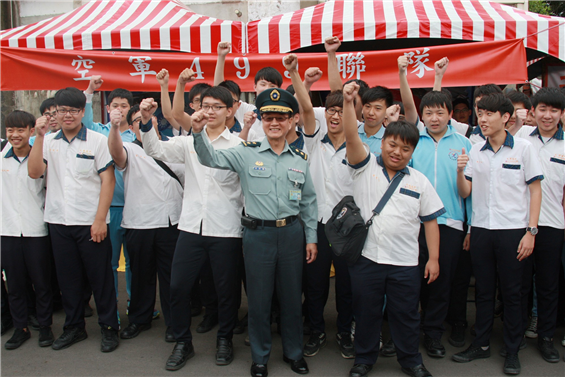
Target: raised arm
x: 115, y: 143
x: 356, y: 153
x: 332, y: 44
x: 306, y: 108
x: 410, y: 111
x: 88, y: 119
x: 179, y: 115
x: 163, y: 79
x: 35, y: 164
x: 440, y: 67
x: 223, y: 50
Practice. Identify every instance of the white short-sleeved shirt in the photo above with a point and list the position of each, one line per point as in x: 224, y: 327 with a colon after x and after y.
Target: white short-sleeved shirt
x: 500, y: 183
x: 73, y: 176
x: 237, y: 128
x: 393, y: 236
x: 23, y: 198
x: 212, y: 198
x: 329, y: 171
x: 152, y: 197
x: 552, y: 158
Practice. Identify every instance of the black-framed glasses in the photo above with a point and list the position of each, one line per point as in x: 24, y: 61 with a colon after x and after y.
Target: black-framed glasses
x: 331, y: 111
x: 50, y: 114
x: 68, y: 111
x: 213, y: 107
x: 138, y: 119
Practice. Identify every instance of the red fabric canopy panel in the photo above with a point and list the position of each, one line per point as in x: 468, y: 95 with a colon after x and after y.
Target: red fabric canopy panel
x: 359, y: 20
x: 165, y: 25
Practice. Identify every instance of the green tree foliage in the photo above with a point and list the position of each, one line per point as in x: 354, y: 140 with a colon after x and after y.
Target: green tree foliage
x: 547, y: 7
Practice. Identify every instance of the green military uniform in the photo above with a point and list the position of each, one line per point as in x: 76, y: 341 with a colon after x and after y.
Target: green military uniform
x: 275, y: 187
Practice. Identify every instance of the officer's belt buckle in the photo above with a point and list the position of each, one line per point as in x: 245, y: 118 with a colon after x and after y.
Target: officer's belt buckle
x: 281, y: 223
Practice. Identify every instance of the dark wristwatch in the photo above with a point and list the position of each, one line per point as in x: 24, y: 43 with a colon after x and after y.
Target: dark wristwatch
x: 533, y: 230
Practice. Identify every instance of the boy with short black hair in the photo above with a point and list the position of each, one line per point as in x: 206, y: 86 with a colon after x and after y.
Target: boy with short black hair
x: 209, y: 224
x: 436, y: 157
x: 26, y: 255
x: 522, y: 106
x: 502, y: 174
x: 479, y: 93
x: 461, y: 111
x: 375, y: 103
x: 548, y: 105
x: 81, y: 185
x: 49, y: 110
x: 388, y: 264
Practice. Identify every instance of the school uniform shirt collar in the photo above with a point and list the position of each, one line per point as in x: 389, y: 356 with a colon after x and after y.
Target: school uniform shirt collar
x: 327, y: 140
x: 477, y: 131
x: 558, y: 135
x: 11, y: 153
x: 236, y: 127
x: 508, y: 142
x: 81, y: 135
x: 380, y: 162
x: 379, y: 135
x: 298, y: 143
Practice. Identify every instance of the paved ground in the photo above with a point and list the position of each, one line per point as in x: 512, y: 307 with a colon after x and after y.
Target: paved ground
x: 146, y: 355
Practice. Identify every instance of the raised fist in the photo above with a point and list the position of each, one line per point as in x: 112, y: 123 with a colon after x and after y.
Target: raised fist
x: 163, y: 77
x: 350, y: 91
x: 402, y: 63
x: 312, y: 75
x: 332, y: 44
x: 290, y: 62
x: 224, y: 48
x: 41, y: 125
x: 441, y: 66
x: 115, y: 117
x: 186, y: 76
x: 147, y: 108
x: 199, y: 120
x: 249, y: 118
x: 393, y: 113
x: 94, y: 84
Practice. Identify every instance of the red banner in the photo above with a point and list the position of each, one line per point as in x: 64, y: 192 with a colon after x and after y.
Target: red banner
x: 500, y: 62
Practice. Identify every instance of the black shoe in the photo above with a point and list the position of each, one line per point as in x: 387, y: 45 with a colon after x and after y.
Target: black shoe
x: 134, y: 329
x: 297, y: 366
x: 345, y: 345
x: 207, y: 324
x: 471, y: 353
x: 259, y: 370
x: 417, y: 371
x: 169, y: 336
x: 181, y: 353
x: 523, y: 345
x: 241, y: 325
x: 512, y: 364
x: 32, y: 322
x: 195, y: 310
x: 69, y: 337
x: 316, y: 341
x: 389, y: 349
x: 88, y: 311
x: 110, y: 340
x: 548, y: 351
x: 7, y: 324
x: 224, y: 351
x: 457, y: 337
x: 434, y: 347
x: 360, y: 370
x: 19, y: 338
x: 46, y: 337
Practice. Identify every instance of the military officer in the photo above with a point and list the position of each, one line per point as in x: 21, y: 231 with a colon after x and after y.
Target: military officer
x: 277, y: 186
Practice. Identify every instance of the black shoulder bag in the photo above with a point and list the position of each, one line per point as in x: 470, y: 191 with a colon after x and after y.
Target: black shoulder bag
x: 347, y: 231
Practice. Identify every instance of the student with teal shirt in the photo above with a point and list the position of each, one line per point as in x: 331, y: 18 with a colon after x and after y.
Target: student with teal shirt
x: 123, y: 100
x: 375, y: 103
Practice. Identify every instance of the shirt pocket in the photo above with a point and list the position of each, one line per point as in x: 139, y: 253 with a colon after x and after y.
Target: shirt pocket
x: 84, y: 164
x: 296, y: 179
x: 556, y: 169
x: 511, y: 174
x: 259, y: 180
x: 410, y: 203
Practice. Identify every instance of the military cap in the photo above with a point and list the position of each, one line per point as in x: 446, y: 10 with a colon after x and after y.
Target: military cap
x: 276, y: 100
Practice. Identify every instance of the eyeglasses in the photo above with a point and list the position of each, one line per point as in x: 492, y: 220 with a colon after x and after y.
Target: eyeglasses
x: 332, y: 111
x: 279, y: 118
x: 138, y: 119
x: 196, y: 100
x: 50, y: 114
x: 213, y: 107
x: 67, y: 111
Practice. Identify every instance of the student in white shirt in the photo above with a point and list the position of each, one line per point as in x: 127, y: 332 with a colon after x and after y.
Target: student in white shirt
x: 332, y: 182
x: 153, y: 200
x: 80, y: 187
x: 548, y: 105
x: 388, y: 264
x: 26, y: 255
x: 209, y: 225
x: 503, y: 174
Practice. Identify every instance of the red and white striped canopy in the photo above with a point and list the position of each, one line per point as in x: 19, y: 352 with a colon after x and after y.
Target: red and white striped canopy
x: 128, y: 24
x: 358, y: 20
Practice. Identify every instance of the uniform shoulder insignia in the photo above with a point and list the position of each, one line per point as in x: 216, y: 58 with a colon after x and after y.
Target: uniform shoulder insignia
x: 299, y: 153
x: 252, y: 143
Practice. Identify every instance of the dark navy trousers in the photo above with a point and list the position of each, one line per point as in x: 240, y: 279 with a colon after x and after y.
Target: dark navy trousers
x: 370, y: 282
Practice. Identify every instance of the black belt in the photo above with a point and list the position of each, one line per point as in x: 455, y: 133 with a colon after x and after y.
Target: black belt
x: 277, y: 223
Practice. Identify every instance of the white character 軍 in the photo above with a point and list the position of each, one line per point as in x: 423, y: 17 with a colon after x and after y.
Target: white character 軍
x: 141, y: 66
